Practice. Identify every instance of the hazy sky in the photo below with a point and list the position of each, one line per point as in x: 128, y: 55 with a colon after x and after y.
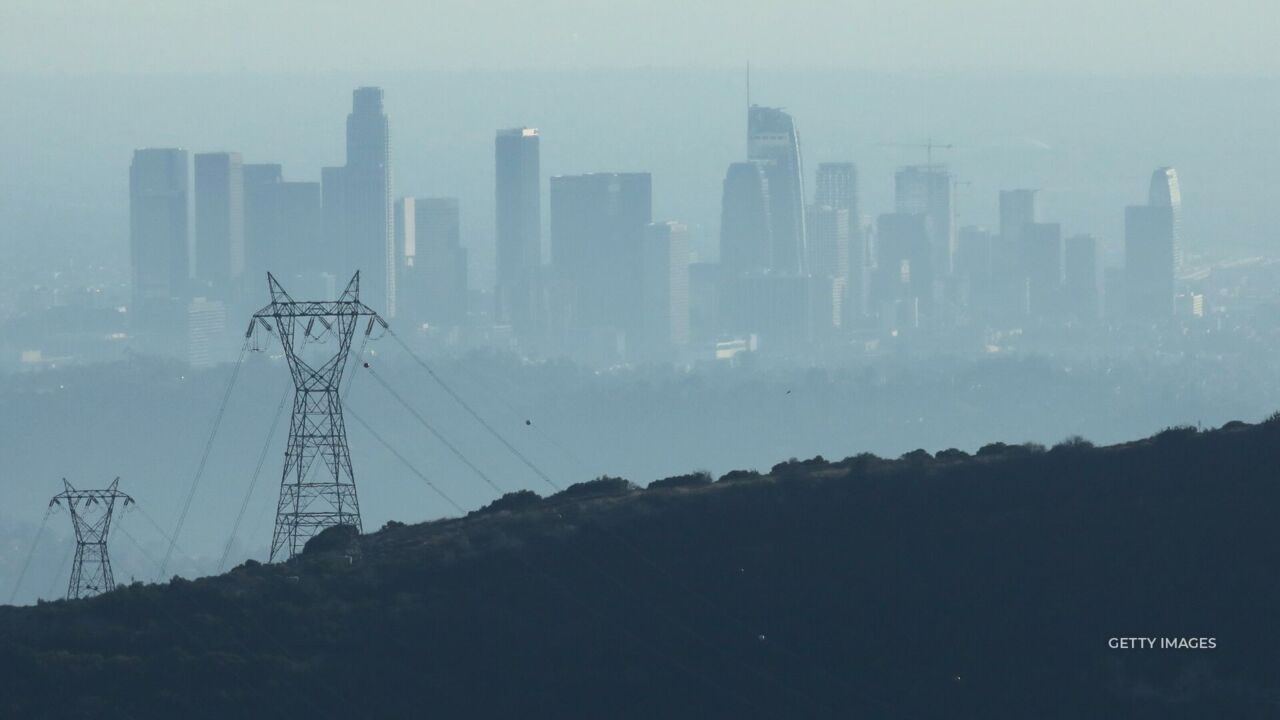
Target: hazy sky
x: 1092, y: 36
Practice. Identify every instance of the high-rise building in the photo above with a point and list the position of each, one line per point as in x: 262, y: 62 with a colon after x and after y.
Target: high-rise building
x: 829, y: 241
x: 746, y: 221
x: 159, y: 208
x: 838, y: 188
x: 518, y: 226
x: 1149, y: 261
x: 772, y: 138
x: 433, y: 287
x: 262, y: 228
x: 300, y: 244
x: 664, y: 292
x: 1081, y: 281
x: 973, y: 268
x: 206, y: 332
x: 1017, y: 208
x: 904, y: 263
x: 219, y: 222
x: 365, y: 190
x: 928, y: 190
x: 1165, y: 192
x: 1042, y: 263
x: 597, y: 227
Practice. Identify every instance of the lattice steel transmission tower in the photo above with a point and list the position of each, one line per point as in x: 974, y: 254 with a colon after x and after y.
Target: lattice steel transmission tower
x: 316, y: 337
x: 91, y: 512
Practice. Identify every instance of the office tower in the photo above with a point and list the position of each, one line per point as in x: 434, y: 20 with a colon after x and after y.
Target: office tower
x: 1164, y: 192
x: 1080, y: 277
x: 597, y: 225
x: 705, y: 290
x: 829, y: 241
x: 365, y: 188
x: 838, y: 188
x: 158, y: 232
x: 299, y: 250
x: 772, y: 138
x: 1149, y: 261
x: 1017, y: 208
x: 1042, y: 261
x: 973, y: 268
x: 928, y: 190
x: 219, y: 223
x: 261, y: 228
x: 904, y: 263
x: 206, y: 332
x: 1010, y: 295
x: 433, y: 287
x: 664, y: 292
x: 517, y: 226
x: 746, y: 221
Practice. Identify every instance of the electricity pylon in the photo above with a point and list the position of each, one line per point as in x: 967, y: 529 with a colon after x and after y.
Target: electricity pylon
x: 91, y: 512
x: 312, y: 501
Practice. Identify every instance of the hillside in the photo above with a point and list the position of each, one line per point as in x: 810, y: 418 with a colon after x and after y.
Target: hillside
x: 925, y: 587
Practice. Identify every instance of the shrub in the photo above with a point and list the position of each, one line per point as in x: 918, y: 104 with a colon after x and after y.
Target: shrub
x: 736, y: 475
x: 695, y: 479
x: 1074, y: 442
x: 951, y: 455
x: 919, y: 455
x: 512, y: 502
x: 603, y: 486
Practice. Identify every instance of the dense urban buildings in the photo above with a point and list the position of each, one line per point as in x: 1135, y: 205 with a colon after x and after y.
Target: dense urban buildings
x: 219, y: 222
x: 361, y: 195
x: 773, y: 140
x: 518, y: 226
x: 790, y: 279
x: 159, y: 213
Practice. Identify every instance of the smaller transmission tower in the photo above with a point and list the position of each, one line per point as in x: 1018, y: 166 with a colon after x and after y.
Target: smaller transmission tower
x: 91, y: 512
x: 317, y: 486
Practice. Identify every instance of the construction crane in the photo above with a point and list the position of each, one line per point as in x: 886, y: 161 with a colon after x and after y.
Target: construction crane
x: 929, y: 145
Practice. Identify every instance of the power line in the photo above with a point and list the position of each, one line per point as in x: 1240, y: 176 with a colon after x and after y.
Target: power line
x: 253, y: 482
x: 30, y: 553
x: 204, y: 459
x: 452, y: 448
x: 355, y: 416
x: 471, y: 411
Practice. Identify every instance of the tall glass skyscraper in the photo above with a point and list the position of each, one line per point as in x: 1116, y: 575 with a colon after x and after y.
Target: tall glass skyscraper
x: 368, y: 242
x: 927, y: 190
x: 772, y: 138
x: 746, y: 224
x: 159, y: 208
x: 518, y: 225
x: 1164, y: 192
x: 219, y: 203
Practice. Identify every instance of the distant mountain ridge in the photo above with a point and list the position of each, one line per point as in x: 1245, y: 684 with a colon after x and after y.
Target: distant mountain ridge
x: 929, y: 586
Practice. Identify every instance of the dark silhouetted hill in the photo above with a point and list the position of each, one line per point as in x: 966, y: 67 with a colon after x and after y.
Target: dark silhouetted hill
x: 932, y: 586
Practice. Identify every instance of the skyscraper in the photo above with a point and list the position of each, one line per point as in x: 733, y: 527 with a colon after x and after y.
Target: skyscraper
x: 299, y: 249
x: 772, y: 137
x: 1148, y: 261
x: 434, y: 278
x: 1042, y: 261
x: 838, y: 188
x: 746, y: 225
x: 829, y: 241
x: 365, y: 188
x: 158, y: 231
x: 664, y: 293
x: 518, y: 225
x: 219, y: 224
x: 1081, y: 284
x: 928, y: 190
x: 261, y: 228
x: 1165, y: 192
x: 904, y: 263
x: 597, y: 227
